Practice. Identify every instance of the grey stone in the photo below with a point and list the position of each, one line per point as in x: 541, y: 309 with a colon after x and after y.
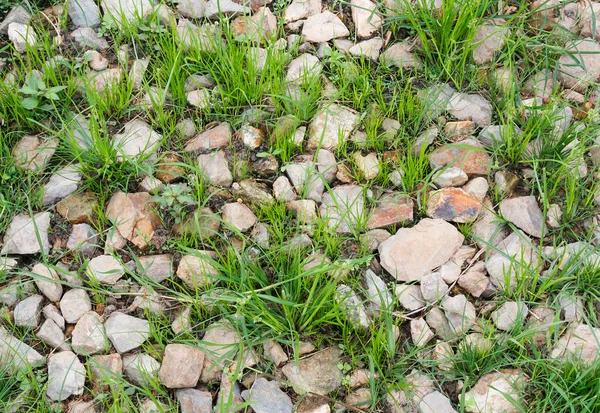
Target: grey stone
x: 433, y: 287
x: 87, y: 38
x: 580, y: 65
x: 525, y: 213
x: 17, y: 355
x: 450, y: 177
x: 52, y: 335
x: 317, y: 374
x: 409, y: 296
x: 52, y: 313
x: 266, y: 397
x: 420, y: 332
x: 140, y: 369
x: 66, y: 376
x: 509, y: 315
x: 215, y: 169
x: 306, y: 180
x: 105, y: 269
x: 17, y: 14
x: 22, y: 36
x: 489, y: 39
x: 353, y: 307
x: 47, y: 281
x: 61, y: 184
x: 84, y: 239
x: 181, y: 366
x: 436, y: 402
x: 305, y: 66
x: 126, y: 11
x: 378, y: 293
x: 331, y: 126
x: 238, y: 216
x: 88, y: 336
x: 514, y: 255
x: 343, y: 208
x: 137, y: 140
x: 74, y: 304
x: 27, y: 312
x: 459, y: 312
x: 194, y: 401
x: 367, y: 21
x: 126, y: 332
x: 367, y: 48
x: 21, y: 237
x: 274, y: 352
x: 84, y: 13
x: 220, y: 347
x: 156, y: 267
x: 323, y: 27
x: 470, y: 107
x: 196, y: 270
x: 182, y: 322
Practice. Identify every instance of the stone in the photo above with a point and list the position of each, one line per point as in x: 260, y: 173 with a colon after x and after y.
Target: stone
x: 84, y: 239
x: 283, y: 190
x: 47, y: 281
x: 373, y: 238
x: 22, y: 36
x: 84, y: 13
x: 251, y: 137
x: 96, y: 61
x: 331, y: 126
x: 489, y: 39
x: 367, y: 48
x: 156, y: 267
x: 377, y: 292
x: 137, y: 72
x: 433, y: 287
x: 50, y: 312
x: 468, y: 155
x: 368, y: 165
x: 494, y: 135
x: 137, y: 141
x: 488, y: 230
x: 104, y: 368
x: 82, y: 407
x: 305, y: 66
x: 22, y: 234
x: 353, y: 307
x: 435, y: 99
x: 359, y: 398
x: 554, y: 215
x: 542, y: 321
x: 456, y: 130
x: 123, y: 12
x: 420, y: 332
x: 87, y: 38
x: 105, y: 269
x: 436, y: 402
x: 126, y: 332
x: 253, y: 193
x: 578, y: 344
x: 459, y: 312
x: 17, y: 14
x: 407, y: 398
x: 199, y: 98
x: 266, y: 397
x: 186, y: 129
x: 27, y: 312
x: 499, y: 391
x: 194, y: 401
x: 317, y: 373
x: 343, y: 208
x: 475, y: 280
x: 32, y: 153
x: 305, y: 210
x: 140, y: 369
x: 274, y: 352
x: 409, y: 296
x: 453, y: 204
x: 367, y: 21
x: 306, y: 180
x: 88, y: 336
x: 323, y: 27
x: 513, y: 256
x: 134, y: 216
x: 301, y: 9
x: 16, y: 355
x: 196, y: 81
x: 525, y: 213
x: 220, y: 344
x: 215, y: 169
x: 61, y: 184
x: 400, y: 55
x: 413, y: 252
x: 151, y: 406
x: 478, y: 187
x: 74, y: 304
x: 66, y: 376
x: 470, y: 107
x: 580, y: 65
x: 79, y: 208
x: 571, y: 308
x: 509, y: 315
x: 450, y: 177
x: 105, y: 80
x: 181, y: 366
x: 196, y: 270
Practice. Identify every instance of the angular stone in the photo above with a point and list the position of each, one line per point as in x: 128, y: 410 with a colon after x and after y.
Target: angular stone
x: 301, y: 9
x: 105, y: 368
x: 253, y: 193
x: 510, y: 314
x: 79, y: 208
x: 450, y: 177
x: 215, y: 169
x: 194, y: 401
x: 368, y: 48
x: 51, y: 313
x: 17, y: 14
x: 126, y: 332
x: 220, y: 346
x: 87, y: 38
x: 497, y: 392
x: 84, y: 13
x: 475, y: 280
x: 317, y: 374
x: 331, y: 126
x: 514, y: 255
x: 459, y: 312
x: 353, y: 307
x: 305, y: 66
x: 580, y: 65
x: 274, y: 352
x: 400, y: 55
x: 468, y: 155
x: 156, y: 267
x: 453, y: 204
x: 21, y: 237
x: 134, y: 216
x: 61, y: 184
x: 478, y: 187
x: 365, y: 17
x: 323, y: 27
x: 368, y: 165
x: 420, y: 332
x: 84, y: 239
x: 22, y: 36
x: 306, y: 180
x: 74, y: 304
x: 27, y: 312
x: 123, y: 12
x: 433, y: 287
x: 137, y: 140
x: 66, y: 376
x: 199, y: 98
x: 436, y: 402
x: 88, y: 335
x: 343, y: 208
x: 525, y: 213
x: 409, y: 296
x: 305, y: 209
x: 414, y: 252
x: 17, y: 355
x: 105, y: 269
x: 140, y: 369
x: 266, y: 397
x: 181, y: 366
x: 470, y: 107
x: 489, y: 39
x: 196, y: 270
x: 213, y: 138
x: 47, y: 281
x: 283, y: 190
x: 32, y: 153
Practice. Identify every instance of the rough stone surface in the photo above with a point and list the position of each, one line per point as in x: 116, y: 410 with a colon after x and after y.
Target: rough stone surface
x: 489, y: 39
x: 514, y: 255
x: 140, y: 368
x: 61, y: 184
x: 304, y: 66
x: 27, y: 312
x: 323, y: 27
x: 454, y: 204
x: 460, y: 313
x: 331, y: 124
x: 353, y: 306
x: 21, y: 237
x: 525, y: 213
x: 365, y: 17
x: 318, y: 373
x: 126, y: 332
x: 74, y: 304
x: 580, y: 65
x: 134, y: 216
x: 66, y: 376
x: 181, y: 366
x: 197, y: 270
x: 215, y: 169
x: 88, y: 335
x: 579, y: 344
x: 497, y: 392
x: 470, y: 107
x: 420, y: 332
x: 22, y: 36
x: 436, y: 402
x: 194, y: 401
x: 137, y: 140
x: 343, y: 207
x: 84, y: 13
x: 266, y: 397
x: 105, y: 269
x: 509, y: 315
x: 468, y: 155
x: 239, y: 216
x: 17, y: 355
x: 47, y: 281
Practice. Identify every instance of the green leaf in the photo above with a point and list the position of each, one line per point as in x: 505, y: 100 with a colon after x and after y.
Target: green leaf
x: 30, y: 103
x: 56, y: 89
x: 28, y: 90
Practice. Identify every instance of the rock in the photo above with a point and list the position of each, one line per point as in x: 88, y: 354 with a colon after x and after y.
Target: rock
x: 368, y: 165
x: 255, y: 194
x: 196, y: 270
x: 317, y: 374
x: 580, y: 65
x: 105, y: 80
x: 133, y: 215
x: 359, y: 398
x: 400, y: 55
x: 96, y: 61
x: 16, y: 355
x: 239, y: 216
x: 542, y: 321
x: 215, y: 169
x: 553, y: 216
x: 105, y: 269
x: 87, y: 38
x: 51, y: 313
x: 578, y: 344
x: 61, y: 184
x: 126, y: 332
x: 414, y: 252
x: 17, y: 14
x: 283, y: 190
x: 88, y: 335
x: 365, y: 17
x: 306, y: 180
x: 199, y: 98
x: 47, y: 281
x: 220, y: 345
x: 182, y: 322
x: 274, y: 351
x: 477, y: 187
x: 194, y: 401
x: 525, y: 213
x: 27, y: 312
x: 468, y: 155
x: 494, y: 135
x: 181, y: 366
x: 33, y: 154
x: 84, y: 13
x: 156, y: 267
x: 433, y: 287
x: 74, y: 304
x: 453, y: 204
x: 301, y: 9
x: 353, y: 307
x: 66, y: 376
x: 459, y: 312
x: 331, y: 126
x: 196, y: 81
x: 409, y: 296
x: 305, y: 210
x: 266, y: 397
x: 475, y: 280
x: 488, y: 230
x: 571, y: 308
x: 377, y: 292
x: 22, y: 36
x: 137, y: 141
x: 497, y: 392
x: 367, y: 48
x: 124, y: 12
x: 79, y: 208
x: 510, y: 314
x: 435, y: 99
x: 82, y: 407
x: 373, y: 238
x: 450, y: 177
x: 470, y: 107
x: 456, y: 130
x: 137, y: 72
x: 323, y: 27
x: 104, y: 368
x: 514, y: 255
x: 140, y: 369
x: 151, y: 406
x: 436, y: 402
x: 489, y: 39
x: 343, y: 208
x: 420, y: 332
x: 407, y: 398
x: 305, y: 66
x: 25, y: 234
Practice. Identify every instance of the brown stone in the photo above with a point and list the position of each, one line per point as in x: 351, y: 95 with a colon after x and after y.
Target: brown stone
x: 204, y: 224
x: 133, y: 216
x: 79, y: 208
x: 391, y: 209
x: 216, y: 137
x: 468, y: 155
x: 168, y: 168
x: 32, y: 153
x: 454, y: 204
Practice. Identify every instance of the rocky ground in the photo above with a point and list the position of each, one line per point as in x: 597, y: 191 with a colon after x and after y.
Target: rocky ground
x: 215, y: 206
